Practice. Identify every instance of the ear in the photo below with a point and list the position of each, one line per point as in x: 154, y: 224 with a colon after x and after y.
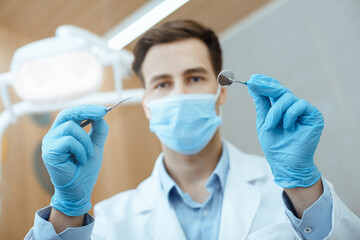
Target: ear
x: 223, y: 95
x: 145, y: 107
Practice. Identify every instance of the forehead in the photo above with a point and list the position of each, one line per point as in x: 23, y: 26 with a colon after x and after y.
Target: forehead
x: 175, y: 57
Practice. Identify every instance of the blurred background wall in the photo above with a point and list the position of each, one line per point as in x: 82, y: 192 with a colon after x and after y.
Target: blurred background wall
x: 310, y: 46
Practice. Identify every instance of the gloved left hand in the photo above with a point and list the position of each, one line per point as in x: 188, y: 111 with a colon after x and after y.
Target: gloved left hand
x: 289, y: 131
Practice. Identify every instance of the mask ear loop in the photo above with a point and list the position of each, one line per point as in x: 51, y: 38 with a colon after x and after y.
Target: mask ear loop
x: 218, y: 92
x: 220, y: 111
x: 216, y: 98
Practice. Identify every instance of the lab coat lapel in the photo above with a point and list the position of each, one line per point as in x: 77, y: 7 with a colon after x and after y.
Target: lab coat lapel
x: 241, y: 196
x: 162, y: 222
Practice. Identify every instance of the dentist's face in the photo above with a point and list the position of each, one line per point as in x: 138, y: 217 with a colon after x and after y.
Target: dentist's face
x: 180, y: 67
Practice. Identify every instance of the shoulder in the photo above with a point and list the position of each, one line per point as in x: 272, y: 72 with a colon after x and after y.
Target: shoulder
x: 115, y: 201
x: 241, y: 161
x: 123, y: 213
x: 126, y: 202
x: 253, y: 169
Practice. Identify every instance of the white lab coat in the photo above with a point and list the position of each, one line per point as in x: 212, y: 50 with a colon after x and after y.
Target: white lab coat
x: 252, y: 208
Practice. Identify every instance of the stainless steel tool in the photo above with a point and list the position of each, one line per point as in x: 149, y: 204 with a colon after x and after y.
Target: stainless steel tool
x: 87, y: 122
x: 226, y: 78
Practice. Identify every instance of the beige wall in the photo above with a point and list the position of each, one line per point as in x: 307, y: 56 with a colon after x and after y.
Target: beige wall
x: 129, y: 155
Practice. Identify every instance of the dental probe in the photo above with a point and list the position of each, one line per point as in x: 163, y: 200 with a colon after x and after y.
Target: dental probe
x: 87, y: 122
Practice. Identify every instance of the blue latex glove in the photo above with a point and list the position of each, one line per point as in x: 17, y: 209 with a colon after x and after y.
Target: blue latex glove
x: 73, y: 157
x: 289, y: 131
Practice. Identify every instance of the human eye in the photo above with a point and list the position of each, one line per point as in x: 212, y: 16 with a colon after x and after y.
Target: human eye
x: 162, y: 85
x: 196, y: 79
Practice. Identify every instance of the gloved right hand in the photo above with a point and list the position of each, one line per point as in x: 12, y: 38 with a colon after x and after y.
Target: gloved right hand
x: 289, y: 131
x: 73, y: 157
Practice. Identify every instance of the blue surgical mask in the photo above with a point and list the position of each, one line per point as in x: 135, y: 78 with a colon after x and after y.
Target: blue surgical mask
x: 185, y: 123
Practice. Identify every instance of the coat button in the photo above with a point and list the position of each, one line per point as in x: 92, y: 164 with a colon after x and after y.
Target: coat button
x: 307, y: 230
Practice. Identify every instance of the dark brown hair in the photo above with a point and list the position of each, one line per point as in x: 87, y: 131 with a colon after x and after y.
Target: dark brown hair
x: 175, y: 31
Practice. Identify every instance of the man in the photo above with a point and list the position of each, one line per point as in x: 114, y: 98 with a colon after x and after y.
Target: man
x: 202, y: 187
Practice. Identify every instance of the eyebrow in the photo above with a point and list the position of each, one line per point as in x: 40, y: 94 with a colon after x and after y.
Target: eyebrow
x: 186, y: 72
x: 195, y: 70
x: 159, y: 77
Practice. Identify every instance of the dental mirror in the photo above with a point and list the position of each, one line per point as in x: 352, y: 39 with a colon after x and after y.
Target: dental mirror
x: 226, y: 78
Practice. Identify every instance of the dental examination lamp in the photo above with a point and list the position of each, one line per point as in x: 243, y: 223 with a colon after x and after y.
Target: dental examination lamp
x: 63, y: 71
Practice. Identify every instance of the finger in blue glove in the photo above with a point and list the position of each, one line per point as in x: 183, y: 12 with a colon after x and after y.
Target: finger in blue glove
x: 289, y: 131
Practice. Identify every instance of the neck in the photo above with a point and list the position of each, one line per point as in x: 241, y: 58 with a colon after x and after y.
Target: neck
x: 192, y: 172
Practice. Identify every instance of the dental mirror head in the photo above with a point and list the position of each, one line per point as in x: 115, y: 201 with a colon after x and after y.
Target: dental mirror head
x: 226, y: 78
